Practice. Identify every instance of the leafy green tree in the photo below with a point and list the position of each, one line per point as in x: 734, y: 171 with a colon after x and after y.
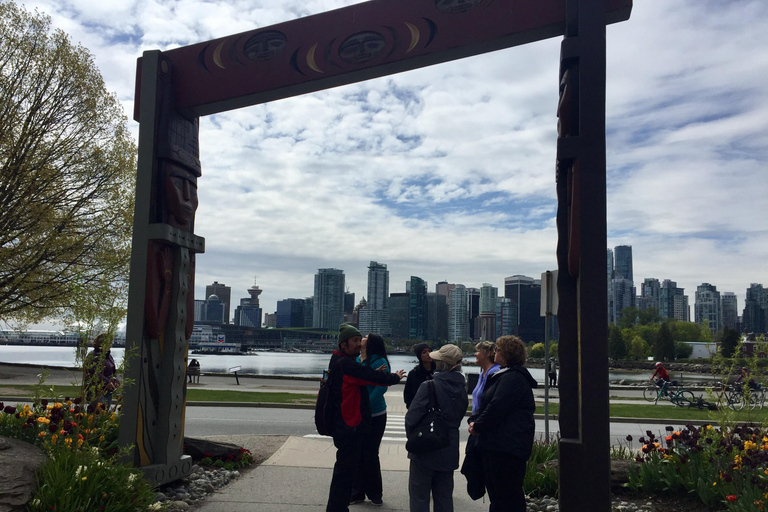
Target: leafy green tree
x: 638, y: 348
x: 664, y: 348
x: 728, y: 339
x: 648, y: 316
x: 627, y: 318
x: 617, y: 349
x: 537, y: 350
x: 553, y: 349
x: 682, y: 350
x: 67, y: 169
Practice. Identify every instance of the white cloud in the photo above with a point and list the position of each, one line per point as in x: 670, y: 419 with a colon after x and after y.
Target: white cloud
x: 448, y: 172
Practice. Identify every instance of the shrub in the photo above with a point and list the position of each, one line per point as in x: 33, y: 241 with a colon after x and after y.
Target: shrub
x: 537, y: 350
x: 541, y: 481
x: 81, y: 480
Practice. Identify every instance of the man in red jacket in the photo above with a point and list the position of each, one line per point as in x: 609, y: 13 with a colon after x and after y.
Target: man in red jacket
x: 352, y: 411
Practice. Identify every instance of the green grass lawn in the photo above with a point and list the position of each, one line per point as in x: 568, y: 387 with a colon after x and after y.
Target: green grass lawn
x: 639, y: 410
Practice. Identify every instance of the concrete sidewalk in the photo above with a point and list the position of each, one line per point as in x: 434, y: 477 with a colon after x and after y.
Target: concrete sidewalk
x: 297, y: 478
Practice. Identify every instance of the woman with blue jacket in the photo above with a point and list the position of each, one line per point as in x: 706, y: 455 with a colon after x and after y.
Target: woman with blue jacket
x: 374, y: 354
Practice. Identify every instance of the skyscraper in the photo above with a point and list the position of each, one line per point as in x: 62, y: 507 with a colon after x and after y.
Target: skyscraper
x: 622, y: 296
x: 290, y: 313
x: 474, y: 313
x: 708, y: 308
x: 730, y: 307
x: 651, y: 291
x: 673, y: 303
x: 755, y: 317
x: 248, y: 313
x: 328, y: 299
x: 623, y: 255
x: 525, y: 294
x: 349, y: 302
x: 399, y: 315
x: 458, y: 314
x: 375, y: 317
x: 418, y: 314
x: 223, y: 292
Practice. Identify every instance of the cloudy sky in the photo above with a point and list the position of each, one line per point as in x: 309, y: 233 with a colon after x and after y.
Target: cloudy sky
x: 447, y: 172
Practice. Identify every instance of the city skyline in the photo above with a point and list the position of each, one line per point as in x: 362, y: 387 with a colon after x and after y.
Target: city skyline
x: 447, y: 173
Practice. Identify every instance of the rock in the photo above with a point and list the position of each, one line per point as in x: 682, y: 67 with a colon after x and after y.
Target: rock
x: 198, y: 448
x: 179, y: 505
x: 619, y: 470
x: 18, y: 463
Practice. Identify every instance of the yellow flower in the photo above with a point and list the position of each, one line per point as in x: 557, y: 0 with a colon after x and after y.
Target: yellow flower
x: 101, y: 438
x: 68, y: 442
x: 749, y: 445
x: 79, y: 443
x: 42, y: 434
x: 58, y: 405
x: 714, y: 483
x: 43, y: 420
x: 54, y: 438
x: 84, y: 478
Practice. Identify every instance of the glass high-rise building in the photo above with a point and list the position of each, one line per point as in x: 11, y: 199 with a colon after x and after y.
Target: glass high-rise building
x: 729, y: 303
x: 418, y: 314
x: 525, y: 294
x: 328, y: 299
x: 375, y: 316
x: 623, y: 262
x: 290, y: 313
x: 708, y: 308
x: 458, y: 314
x: 224, y: 293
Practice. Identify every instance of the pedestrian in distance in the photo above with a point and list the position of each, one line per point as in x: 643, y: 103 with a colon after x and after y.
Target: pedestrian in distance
x: 552, y: 372
x: 351, y: 411
x: 504, y: 426
x: 101, y: 374
x: 431, y: 473
x: 420, y: 373
x: 373, y: 354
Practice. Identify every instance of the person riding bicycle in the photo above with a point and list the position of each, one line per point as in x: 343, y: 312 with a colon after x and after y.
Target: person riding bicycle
x: 750, y: 381
x: 663, y: 376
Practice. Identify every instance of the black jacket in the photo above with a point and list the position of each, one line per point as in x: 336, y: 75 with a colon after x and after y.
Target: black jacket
x: 504, y: 422
x: 348, y: 395
x: 416, y: 376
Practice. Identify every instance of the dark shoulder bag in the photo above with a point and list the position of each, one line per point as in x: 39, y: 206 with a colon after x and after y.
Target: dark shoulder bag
x: 431, y: 432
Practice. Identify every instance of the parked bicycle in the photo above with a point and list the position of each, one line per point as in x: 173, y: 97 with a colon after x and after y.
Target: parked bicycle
x: 737, y: 397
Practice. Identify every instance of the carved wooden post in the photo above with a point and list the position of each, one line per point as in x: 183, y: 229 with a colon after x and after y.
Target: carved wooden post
x: 584, y: 456
x: 161, y: 296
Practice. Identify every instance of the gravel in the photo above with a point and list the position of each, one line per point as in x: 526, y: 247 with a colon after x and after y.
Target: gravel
x: 193, y: 489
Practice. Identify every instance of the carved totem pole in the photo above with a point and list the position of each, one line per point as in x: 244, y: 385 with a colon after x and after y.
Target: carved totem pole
x: 163, y: 231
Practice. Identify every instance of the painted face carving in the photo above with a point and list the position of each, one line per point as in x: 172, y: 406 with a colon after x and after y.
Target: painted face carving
x: 180, y: 196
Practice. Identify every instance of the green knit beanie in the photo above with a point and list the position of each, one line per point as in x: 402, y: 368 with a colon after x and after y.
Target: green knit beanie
x: 347, y: 331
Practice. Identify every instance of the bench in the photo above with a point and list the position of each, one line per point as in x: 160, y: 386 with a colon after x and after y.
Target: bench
x: 193, y: 373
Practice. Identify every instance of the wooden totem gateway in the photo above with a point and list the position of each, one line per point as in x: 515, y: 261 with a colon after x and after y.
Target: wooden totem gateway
x: 355, y: 43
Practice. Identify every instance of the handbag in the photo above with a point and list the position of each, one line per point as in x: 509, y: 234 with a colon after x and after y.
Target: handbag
x: 431, y: 432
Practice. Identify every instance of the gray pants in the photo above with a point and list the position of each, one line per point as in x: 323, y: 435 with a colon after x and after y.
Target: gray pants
x: 422, y: 481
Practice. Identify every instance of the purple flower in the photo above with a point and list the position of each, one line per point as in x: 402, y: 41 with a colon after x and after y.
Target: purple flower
x: 9, y: 409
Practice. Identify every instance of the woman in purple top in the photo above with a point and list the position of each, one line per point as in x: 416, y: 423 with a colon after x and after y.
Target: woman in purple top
x: 484, y: 357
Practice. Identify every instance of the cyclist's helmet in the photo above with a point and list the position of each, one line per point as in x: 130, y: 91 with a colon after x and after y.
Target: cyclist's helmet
x: 658, y: 364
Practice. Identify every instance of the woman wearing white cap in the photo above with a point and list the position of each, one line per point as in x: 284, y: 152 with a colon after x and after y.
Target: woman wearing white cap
x: 431, y: 473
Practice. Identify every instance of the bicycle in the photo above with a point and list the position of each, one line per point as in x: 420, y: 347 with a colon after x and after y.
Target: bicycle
x: 737, y: 397
x: 654, y: 393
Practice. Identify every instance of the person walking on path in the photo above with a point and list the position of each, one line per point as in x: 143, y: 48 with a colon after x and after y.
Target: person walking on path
x: 505, y: 426
x: 351, y: 411
x: 552, y: 372
x: 420, y: 373
x: 373, y: 354
x: 101, y: 379
x: 431, y: 473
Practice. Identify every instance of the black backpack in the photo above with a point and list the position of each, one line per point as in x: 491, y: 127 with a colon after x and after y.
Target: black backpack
x: 323, y: 408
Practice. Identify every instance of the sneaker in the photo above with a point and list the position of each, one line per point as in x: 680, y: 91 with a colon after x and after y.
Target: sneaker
x: 377, y: 502
x: 356, y: 500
